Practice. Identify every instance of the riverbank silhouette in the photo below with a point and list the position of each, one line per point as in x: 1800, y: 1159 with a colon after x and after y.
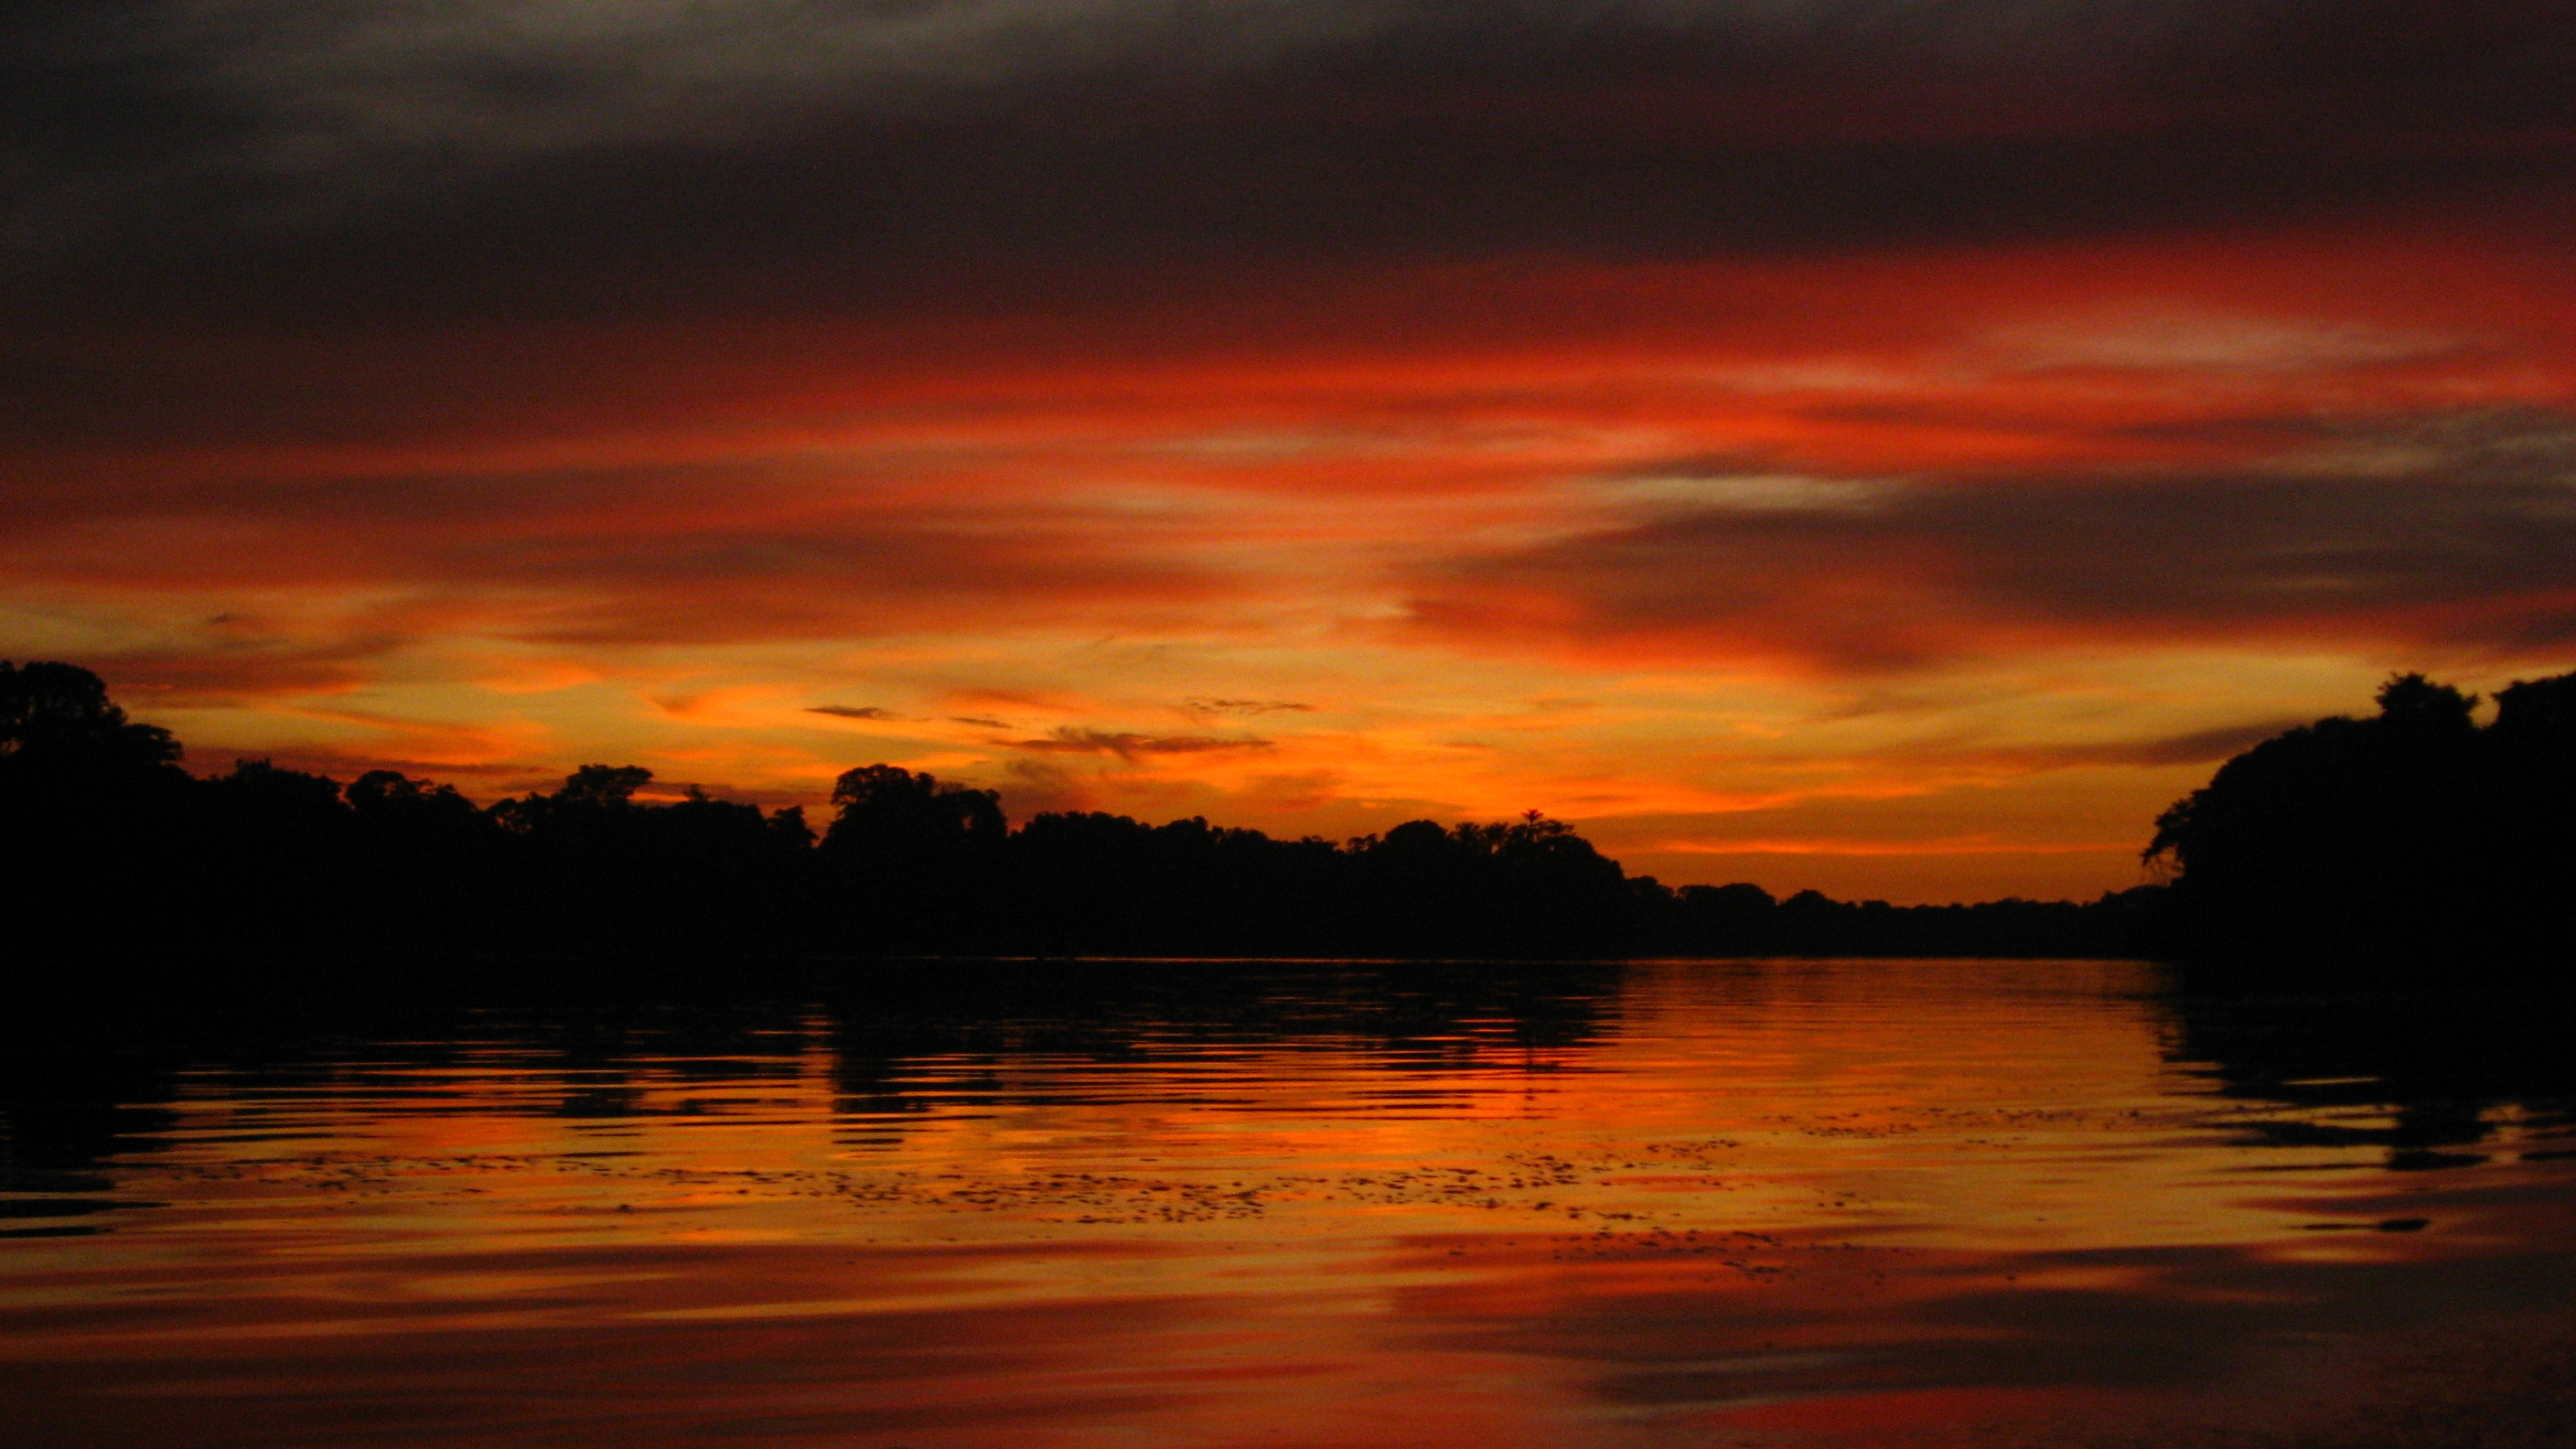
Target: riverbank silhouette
x: 2414, y: 846
x: 110, y: 843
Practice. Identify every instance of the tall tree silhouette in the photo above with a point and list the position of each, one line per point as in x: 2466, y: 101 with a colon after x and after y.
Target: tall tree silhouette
x: 2412, y: 845
x: 2531, y: 761
x: 90, y: 804
x: 58, y: 725
x: 908, y: 861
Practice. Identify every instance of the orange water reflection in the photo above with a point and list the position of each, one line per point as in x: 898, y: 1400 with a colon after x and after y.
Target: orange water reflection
x: 1679, y: 1204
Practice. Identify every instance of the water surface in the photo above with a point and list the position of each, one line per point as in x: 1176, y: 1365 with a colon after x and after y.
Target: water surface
x: 1215, y: 1204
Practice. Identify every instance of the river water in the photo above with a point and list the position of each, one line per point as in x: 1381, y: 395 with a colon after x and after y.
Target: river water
x: 1211, y: 1204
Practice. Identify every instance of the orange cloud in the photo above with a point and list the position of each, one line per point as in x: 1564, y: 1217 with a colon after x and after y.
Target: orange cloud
x: 2140, y: 495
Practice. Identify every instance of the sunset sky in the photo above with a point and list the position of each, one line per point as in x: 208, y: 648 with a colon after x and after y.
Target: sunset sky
x: 1890, y: 446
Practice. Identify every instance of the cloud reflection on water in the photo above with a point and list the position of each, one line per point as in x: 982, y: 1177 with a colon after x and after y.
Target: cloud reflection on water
x: 1838, y: 1203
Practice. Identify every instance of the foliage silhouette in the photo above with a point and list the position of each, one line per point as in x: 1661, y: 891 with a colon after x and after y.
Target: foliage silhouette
x: 76, y: 779
x: 909, y: 860
x: 2414, y: 846
x: 56, y: 722
x: 246, y: 870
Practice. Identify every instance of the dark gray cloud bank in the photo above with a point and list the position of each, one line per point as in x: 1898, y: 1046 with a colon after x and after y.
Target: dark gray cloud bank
x: 2468, y: 549
x: 292, y: 156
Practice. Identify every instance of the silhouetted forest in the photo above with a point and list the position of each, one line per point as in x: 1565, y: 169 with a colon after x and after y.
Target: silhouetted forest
x: 113, y: 849
x: 2415, y: 846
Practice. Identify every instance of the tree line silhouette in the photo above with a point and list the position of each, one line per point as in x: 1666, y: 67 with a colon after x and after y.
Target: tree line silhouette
x: 116, y: 848
x: 2414, y: 844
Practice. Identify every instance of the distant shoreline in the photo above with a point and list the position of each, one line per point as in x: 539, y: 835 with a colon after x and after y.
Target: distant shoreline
x: 2417, y: 846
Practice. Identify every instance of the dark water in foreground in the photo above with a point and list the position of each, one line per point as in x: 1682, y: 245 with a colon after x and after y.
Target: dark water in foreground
x: 1209, y: 1205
